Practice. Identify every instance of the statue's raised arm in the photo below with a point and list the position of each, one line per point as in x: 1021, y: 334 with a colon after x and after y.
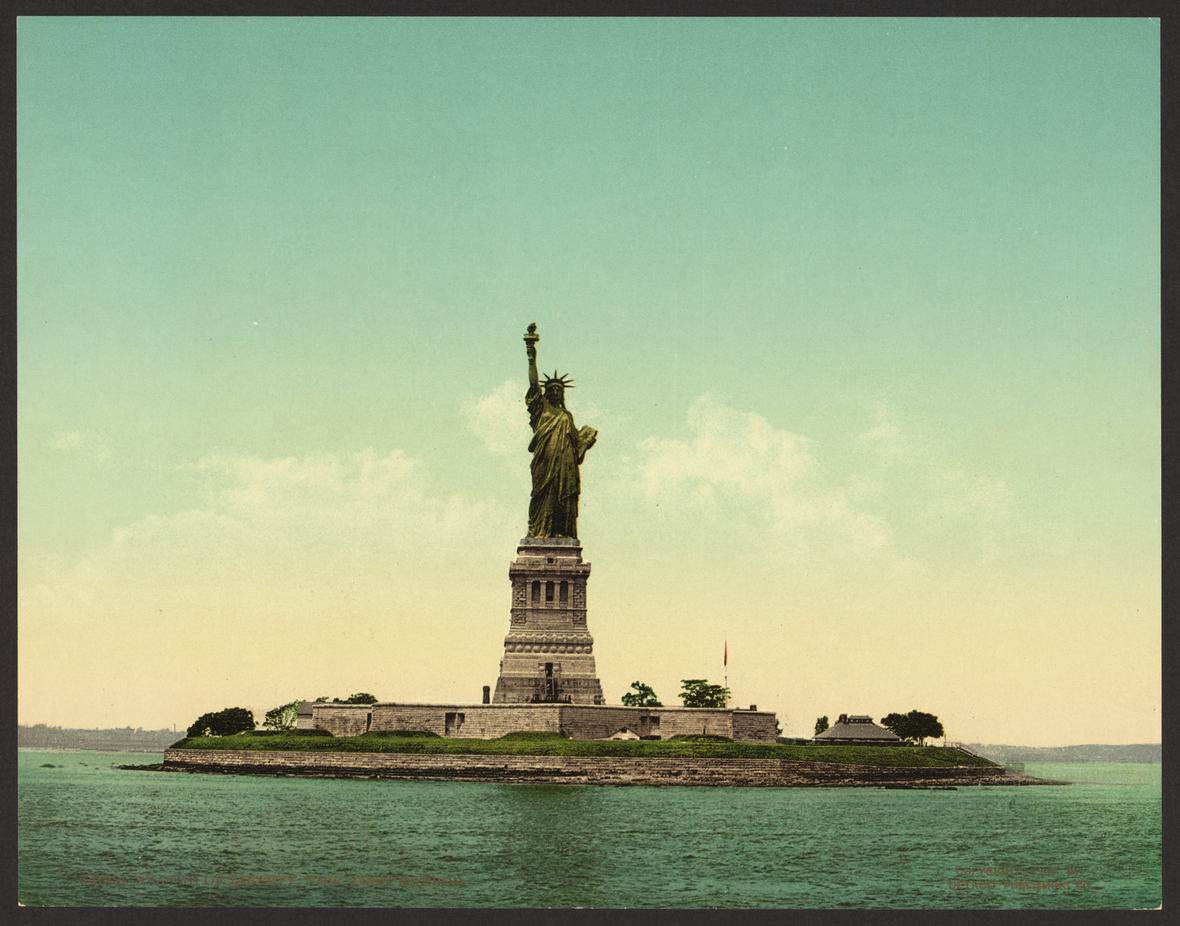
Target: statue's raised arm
x: 530, y: 348
x: 558, y: 448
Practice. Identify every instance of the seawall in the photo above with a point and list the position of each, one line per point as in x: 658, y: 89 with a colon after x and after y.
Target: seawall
x: 580, y: 769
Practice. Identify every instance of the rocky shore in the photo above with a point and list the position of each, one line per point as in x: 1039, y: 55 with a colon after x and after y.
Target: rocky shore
x: 583, y: 770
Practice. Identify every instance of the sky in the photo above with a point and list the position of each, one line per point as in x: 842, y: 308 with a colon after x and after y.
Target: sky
x: 866, y: 313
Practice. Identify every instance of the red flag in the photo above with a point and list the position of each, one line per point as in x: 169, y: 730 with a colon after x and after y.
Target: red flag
x: 726, y: 661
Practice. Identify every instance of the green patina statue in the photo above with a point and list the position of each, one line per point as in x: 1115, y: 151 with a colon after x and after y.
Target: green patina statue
x: 558, y: 449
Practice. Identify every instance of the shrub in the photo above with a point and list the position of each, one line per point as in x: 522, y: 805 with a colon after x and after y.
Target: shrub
x: 520, y: 736
x: 700, y: 738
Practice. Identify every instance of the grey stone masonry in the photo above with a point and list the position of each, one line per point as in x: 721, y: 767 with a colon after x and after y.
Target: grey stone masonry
x: 576, y: 721
x: 548, y: 652
x: 582, y: 770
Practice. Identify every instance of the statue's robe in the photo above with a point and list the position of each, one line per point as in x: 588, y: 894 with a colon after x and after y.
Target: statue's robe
x: 558, y: 448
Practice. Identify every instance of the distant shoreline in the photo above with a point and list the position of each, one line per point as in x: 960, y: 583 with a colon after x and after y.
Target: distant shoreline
x: 1143, y: 753
x: 115, y: 739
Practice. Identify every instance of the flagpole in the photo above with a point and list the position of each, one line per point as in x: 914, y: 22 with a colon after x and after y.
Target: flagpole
x: 725, y: 662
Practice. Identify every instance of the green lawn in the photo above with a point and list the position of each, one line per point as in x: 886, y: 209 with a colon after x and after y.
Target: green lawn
x: 552, y: 744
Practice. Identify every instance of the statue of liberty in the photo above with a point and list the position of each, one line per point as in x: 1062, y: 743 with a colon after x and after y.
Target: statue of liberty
x: 558, y: 449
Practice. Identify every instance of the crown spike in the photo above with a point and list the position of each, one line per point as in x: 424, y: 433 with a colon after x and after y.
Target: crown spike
x: 564, y: 381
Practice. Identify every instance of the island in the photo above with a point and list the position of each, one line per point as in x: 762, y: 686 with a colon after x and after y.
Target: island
x: 550, y: 758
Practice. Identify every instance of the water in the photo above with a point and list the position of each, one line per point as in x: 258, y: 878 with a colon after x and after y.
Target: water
x: 90, y: 834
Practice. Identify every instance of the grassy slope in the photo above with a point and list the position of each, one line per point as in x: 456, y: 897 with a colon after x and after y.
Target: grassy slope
x: 555, y: 745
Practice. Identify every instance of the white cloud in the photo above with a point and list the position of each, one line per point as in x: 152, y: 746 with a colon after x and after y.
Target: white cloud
x: 331, y: 518
x: 351, y: 503
x: 90, y: 445
x: 732, y: 457
x: 738, y: 451
x: 940, y: 487
x: 327, y: 483
x: 885, y: 431
x: 888, y: 496
x: 329, y: 562
x: 501, y: 420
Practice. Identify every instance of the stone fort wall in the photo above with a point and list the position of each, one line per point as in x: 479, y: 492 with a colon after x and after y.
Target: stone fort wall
x: 576, y: 721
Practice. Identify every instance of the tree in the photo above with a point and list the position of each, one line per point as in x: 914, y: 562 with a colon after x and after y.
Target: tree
x: 925, y: 725
x: 898, y: 723
x: 283, y: 717
x: 914, y: 726
x: 821, y: 724
x: 699, y: 693
x: 223, y: 723
x: 363, y: 698
x: 643, y: 696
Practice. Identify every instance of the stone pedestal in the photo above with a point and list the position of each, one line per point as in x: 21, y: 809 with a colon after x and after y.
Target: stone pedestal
x: 548, y: 653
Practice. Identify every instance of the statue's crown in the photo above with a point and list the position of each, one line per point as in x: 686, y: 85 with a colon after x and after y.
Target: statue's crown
x: 560, y: 380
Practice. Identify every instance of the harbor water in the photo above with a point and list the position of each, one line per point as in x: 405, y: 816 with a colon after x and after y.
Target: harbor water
x: 91, y: 834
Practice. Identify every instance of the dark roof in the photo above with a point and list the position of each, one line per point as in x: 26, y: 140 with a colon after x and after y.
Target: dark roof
x: 858, y: 729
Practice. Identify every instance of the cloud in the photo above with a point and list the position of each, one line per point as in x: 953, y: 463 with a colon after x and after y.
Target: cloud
x: 737, y: 451
x: 334, y: 563
x: 733, y: 457
x: 318, y: 484
x: 355, y: 505
x: 937, y: 487
x: 886, y: 496
x: 501, y: 420
x: 89, y: 445
x: 326, y: 519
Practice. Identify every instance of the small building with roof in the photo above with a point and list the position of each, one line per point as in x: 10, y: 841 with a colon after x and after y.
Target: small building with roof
x: 857, y: 730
